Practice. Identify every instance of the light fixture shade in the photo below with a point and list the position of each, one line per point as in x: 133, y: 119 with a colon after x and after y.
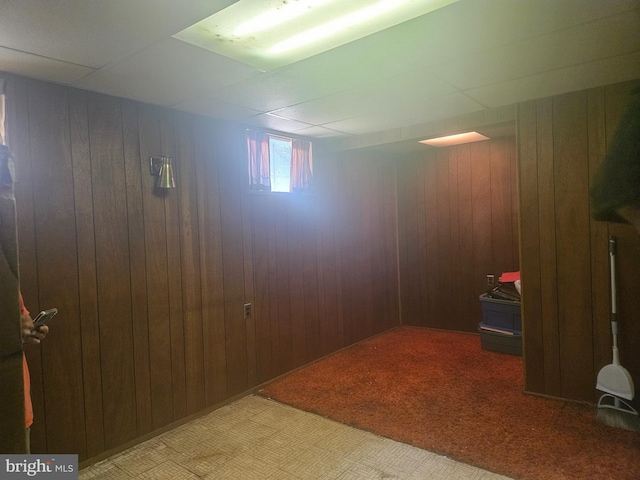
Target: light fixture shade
x: 269, y: 35
x: 166, y: 179
x: 457, y: 139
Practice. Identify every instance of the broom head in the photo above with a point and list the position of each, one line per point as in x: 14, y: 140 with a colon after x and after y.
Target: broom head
x: 616, y: 412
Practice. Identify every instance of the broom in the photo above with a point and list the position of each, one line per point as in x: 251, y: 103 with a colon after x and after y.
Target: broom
x: 613, y: 379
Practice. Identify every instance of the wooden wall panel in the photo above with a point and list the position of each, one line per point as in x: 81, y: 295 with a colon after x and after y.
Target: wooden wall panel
x: 328, y: 290
x: 305, y: 244
x: 502, y: 227
x: 211, y: 274
x: 348, y: 241
x: 296, y: 251
x: 429, y: 247
x: 446, y: 314
x: 112, y: 268
x: 570, y: 153
x: 310, y: 281
x: 190, y: 273
x: 87, y: 275
x: 283, y: 312
x: 530, y: 264
x: 151, y: 284
x: 57, y: 265
x: 463, y: 208
x: 466, y: 283
x: 547, y: 245
x: 564, y: 252
x: 156, y: 268
x: 483, y: 260
x: 453, y: 236
x: 260, y: 221
x: 174, y: 274
x: 362, y: 250
x: 389, y: 284
x: 135, y: 171
x: 409, y: 224
x: 599, y: 231
x: 321, y: 260
x: 230, y: 169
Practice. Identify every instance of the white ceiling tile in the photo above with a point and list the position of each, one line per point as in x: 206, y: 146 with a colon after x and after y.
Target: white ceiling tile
x: 450, y: 105
x: 330, y: 108
x: 215, y: 108
x: 365, y: 61
x: 572, y: 46
x: 319, y: 132
x: 95, y: 33
x: 470, y: 27
x: 436, y: 108
x: 399, y: 92
x: 362, y: 125
x: 148, y: 77
x: 268, y: 91
x: 462, y: 58
x: 563, y: 80
x: 277, y: 123
x: 34, y: 66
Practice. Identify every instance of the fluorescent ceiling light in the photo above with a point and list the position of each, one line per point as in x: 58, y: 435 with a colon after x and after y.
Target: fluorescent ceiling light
x: 336, y: 26
x: 277, y: 16
x: 270, y: 34
x: 457, y: 139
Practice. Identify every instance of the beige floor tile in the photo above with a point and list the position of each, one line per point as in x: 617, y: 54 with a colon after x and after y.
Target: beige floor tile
x: 256, y: 438
x: 316, y: 463
x: 366, y: 472
x: 105, y: 470
x: 142, y: 458
x: 168, y: 471
x: 243, y: 466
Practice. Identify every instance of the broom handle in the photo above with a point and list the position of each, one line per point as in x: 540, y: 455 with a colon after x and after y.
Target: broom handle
x: 614, y: 312
x: 612, y: 262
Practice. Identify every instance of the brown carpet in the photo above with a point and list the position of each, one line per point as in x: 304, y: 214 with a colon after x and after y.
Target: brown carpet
x: 440, y: 391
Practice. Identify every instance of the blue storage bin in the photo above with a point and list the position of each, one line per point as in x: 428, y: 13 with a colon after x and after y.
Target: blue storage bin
x: 500, y: 342
x: 501, y: 313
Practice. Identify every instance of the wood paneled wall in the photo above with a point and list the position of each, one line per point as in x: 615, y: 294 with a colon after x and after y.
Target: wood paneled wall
x: 151, y: 285
x: 343, y: 237
x: 457, y: 222
x: 565, y: 263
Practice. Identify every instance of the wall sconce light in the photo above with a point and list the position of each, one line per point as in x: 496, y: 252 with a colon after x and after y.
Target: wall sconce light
x: 162, y: 168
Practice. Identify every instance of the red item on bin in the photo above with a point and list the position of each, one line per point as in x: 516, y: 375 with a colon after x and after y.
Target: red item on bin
x: 509, y: 277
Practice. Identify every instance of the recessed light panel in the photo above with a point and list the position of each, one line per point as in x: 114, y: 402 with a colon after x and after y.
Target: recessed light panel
x: 269, y: 34
x: 457, y: 139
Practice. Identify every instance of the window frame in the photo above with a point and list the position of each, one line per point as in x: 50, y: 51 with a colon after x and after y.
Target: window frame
x: 290, y: 138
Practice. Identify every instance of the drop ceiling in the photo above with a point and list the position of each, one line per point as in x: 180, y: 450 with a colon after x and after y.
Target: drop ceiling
x: 466, y: 57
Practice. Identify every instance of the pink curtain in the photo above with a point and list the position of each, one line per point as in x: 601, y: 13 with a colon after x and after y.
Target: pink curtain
x: 301, y: 165
x: 258, y: 156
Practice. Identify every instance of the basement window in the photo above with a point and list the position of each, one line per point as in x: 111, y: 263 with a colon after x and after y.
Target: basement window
x: 277, y: 163
x: 280, y: 163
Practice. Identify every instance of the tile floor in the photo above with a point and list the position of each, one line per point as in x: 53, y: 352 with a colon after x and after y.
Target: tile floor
x: 256, y: 438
